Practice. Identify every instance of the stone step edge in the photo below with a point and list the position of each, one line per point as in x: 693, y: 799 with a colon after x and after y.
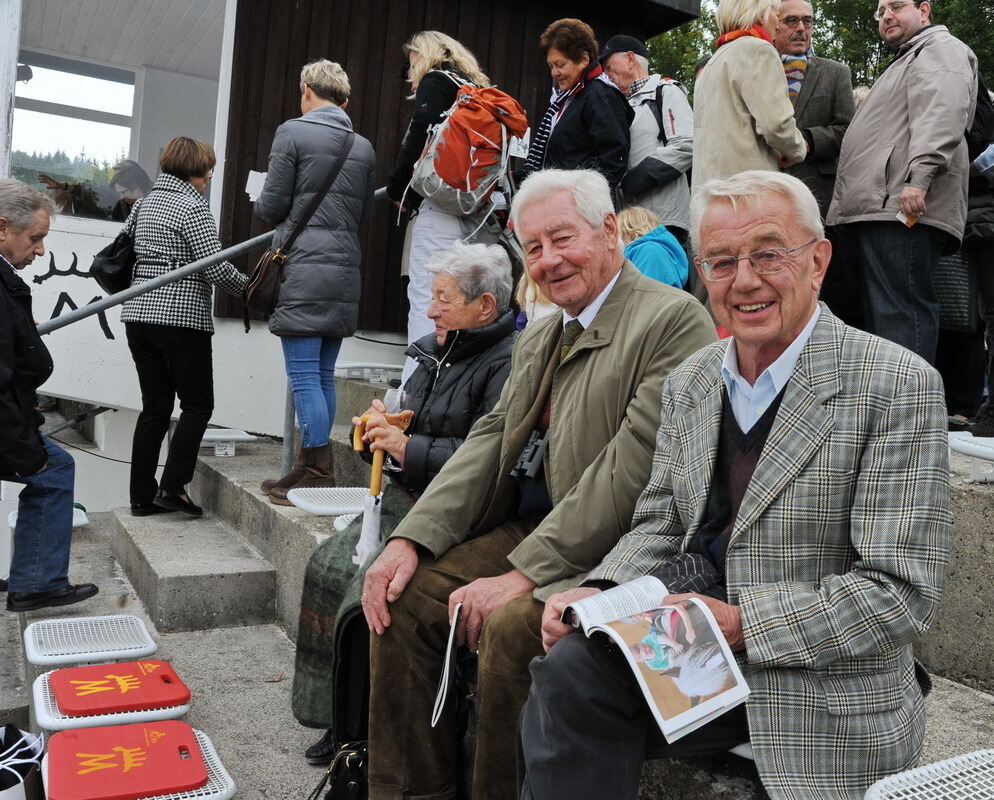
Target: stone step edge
x: 241, y: 593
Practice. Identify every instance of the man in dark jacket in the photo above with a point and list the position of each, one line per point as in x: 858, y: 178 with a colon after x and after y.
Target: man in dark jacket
x: 821, y: 91
x: 39, y: 568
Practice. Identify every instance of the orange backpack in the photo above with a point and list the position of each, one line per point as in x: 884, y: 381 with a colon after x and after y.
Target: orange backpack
x: 466, y: 154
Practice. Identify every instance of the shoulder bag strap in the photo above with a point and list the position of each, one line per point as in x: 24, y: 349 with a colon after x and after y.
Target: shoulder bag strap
x: 280, y: 255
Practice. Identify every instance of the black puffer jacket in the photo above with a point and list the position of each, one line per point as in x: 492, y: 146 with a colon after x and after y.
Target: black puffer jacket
x: 25, y: 364
x: 453, y: 386
x: 979, y: 211
x: 593, y: 133
x: 320, y: 296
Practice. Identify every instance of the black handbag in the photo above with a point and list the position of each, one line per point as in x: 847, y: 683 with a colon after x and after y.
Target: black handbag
x: 114, y: 266
x: 347, y: 776
x: 263, y: 290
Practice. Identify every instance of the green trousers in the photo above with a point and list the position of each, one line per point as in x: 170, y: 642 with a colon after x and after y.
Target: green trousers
x: 407, y: 757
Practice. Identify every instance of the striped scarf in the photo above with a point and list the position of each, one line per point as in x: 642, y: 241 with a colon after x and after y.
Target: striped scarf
x: 795, y: 68
x: 536, y: 153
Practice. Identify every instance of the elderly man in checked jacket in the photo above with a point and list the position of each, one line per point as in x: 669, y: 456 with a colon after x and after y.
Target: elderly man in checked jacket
x: 800, y: 484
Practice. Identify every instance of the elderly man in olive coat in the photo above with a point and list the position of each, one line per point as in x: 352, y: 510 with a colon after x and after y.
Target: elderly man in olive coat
x: 541, y: 490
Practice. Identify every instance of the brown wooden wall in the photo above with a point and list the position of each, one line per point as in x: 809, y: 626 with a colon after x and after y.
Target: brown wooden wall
x: 274, y: 38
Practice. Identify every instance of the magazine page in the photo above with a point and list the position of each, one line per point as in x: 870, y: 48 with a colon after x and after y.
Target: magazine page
x: 617, y: 602
x: 448, y: 668
x: 683, y: 664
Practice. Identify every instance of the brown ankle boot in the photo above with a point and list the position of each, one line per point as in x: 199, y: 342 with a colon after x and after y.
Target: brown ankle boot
x: 295, y: 474
x: 319, y: 473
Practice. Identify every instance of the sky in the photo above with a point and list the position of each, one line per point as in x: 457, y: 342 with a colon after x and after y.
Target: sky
x: 46, y: 133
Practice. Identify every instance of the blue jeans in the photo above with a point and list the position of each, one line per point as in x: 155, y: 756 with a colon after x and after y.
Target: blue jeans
x: 899, y: 265
x: 44, y: 525
x: 310, y: 366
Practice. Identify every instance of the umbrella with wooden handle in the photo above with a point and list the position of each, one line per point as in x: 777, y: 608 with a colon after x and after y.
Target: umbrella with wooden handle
x: 369, y: 538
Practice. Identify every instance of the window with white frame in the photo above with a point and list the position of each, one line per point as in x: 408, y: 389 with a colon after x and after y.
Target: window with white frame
x: 72, y: 133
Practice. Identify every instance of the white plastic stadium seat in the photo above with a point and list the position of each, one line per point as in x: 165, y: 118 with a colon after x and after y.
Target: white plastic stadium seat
x: 980, y: 450
x: 219, y: 784
x: 51, y: 718
x: 223, y: 440
x: 966, y: 777
x: 329, y: 502
x: 78, y: 640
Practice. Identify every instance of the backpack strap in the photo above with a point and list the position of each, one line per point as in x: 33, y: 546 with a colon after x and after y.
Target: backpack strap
x: 656, y: 107
x: 280, y: 255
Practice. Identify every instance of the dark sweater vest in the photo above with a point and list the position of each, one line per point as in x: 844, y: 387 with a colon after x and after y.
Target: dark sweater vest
x: 738, y: 454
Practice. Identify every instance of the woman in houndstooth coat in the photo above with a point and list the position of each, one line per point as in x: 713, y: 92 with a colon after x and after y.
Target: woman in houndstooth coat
x: 169, y: 329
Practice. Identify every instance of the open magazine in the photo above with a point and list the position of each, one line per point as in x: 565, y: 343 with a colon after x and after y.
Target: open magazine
x: 678, y: 654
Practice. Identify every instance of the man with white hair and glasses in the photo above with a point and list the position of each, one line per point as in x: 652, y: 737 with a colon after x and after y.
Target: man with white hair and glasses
x: 799, y: 488
x: 901, y: 185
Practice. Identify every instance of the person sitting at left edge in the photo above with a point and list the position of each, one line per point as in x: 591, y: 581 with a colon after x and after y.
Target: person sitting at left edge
x: 801, y: 482
x: 40, y: 565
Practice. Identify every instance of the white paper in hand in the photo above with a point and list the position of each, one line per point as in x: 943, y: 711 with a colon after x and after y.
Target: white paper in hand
x: 447, y: 668
x: 254, y: 184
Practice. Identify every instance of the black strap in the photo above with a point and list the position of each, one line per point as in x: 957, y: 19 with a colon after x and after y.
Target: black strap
x: 281, y: 253
x: 657, y: 112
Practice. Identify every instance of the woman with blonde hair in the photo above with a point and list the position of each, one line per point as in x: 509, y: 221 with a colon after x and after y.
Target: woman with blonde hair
x: 532, y: 301
x: 319, y: 298
x: 651, y: 247
x: 437, y: 65
x: 743, y: 118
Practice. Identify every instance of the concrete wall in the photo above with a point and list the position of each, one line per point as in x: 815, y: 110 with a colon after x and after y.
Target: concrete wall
x: 960, y: 645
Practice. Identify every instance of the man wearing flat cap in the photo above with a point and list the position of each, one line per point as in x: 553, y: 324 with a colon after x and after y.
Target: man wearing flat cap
x: 662, y: 135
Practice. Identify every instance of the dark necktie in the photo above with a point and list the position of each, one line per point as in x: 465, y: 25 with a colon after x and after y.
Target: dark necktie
x: 571, y: 333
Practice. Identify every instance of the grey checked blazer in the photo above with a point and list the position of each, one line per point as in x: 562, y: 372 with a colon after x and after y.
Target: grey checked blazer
x: 172, y: 226
x: 836, y: 560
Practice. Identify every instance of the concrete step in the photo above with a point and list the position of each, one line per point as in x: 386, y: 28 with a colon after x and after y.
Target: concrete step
x: 194, y: 574
x: 284, y: 535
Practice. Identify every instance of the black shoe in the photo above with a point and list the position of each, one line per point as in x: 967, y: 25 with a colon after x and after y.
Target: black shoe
x: 3, y: 585
x: 67, y: 595
x: 178, y: 502
x: 147, y: 509
x: 982, y: 426
x: 321, y: 752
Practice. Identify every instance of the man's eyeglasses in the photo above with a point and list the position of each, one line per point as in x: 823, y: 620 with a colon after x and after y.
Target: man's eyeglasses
x: 764, y: 262
x: 793, y: 22
x: 894, y: 8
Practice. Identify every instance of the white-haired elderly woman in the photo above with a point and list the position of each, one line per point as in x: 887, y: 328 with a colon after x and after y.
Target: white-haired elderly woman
x: 743, y: 118
x: 462, y: 367
x: 319, y: 299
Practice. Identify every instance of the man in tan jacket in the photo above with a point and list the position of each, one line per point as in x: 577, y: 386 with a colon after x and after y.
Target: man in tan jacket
x: 539, y: 492
x: 903, y: 171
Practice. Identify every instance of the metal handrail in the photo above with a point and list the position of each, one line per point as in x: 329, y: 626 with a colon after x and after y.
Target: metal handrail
x: 159, y: 280
x: 177, y: 275
x: 165, y: 279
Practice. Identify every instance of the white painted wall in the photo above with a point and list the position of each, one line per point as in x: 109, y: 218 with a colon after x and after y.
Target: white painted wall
x: 249, y: 380
x: 168, y: 104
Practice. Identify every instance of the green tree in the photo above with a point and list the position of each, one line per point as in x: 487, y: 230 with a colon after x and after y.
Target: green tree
x: 845, y: 30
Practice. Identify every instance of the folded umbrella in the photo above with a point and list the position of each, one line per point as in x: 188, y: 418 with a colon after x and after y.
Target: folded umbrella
x: 372, y: 506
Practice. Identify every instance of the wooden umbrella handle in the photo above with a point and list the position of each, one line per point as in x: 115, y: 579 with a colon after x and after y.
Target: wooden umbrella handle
x: 376, y: 475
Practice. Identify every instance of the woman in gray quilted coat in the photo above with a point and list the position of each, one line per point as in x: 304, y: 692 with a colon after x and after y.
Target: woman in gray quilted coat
x: 319, y: 299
